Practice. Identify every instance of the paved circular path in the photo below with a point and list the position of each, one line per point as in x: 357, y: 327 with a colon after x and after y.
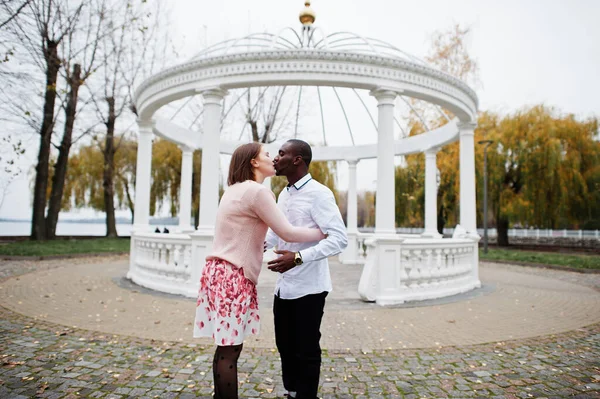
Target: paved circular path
x: 39, y: 358
x: 513, y: 303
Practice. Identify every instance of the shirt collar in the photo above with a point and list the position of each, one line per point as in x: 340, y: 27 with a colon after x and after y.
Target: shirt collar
x: 301, y: 183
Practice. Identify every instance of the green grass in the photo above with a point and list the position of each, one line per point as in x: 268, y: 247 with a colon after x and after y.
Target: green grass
x: 546, y: 258
x: 65, y: 247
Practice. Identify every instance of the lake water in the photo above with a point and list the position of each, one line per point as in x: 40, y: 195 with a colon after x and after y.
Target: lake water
x: 65, y: 229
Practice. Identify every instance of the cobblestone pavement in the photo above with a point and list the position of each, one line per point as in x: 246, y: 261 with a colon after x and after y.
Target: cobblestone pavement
x: 511, y: 305
x: 43, y: 359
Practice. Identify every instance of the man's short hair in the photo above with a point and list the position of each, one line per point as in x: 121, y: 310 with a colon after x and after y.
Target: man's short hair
x: 303, y: 149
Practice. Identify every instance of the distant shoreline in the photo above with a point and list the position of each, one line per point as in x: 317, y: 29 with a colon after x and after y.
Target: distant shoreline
x: 161, y: 221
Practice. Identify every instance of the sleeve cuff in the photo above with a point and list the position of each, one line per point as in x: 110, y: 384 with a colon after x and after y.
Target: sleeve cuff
x: 307, y: 255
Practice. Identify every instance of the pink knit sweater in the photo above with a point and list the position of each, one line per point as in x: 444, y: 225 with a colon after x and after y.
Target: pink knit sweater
x: 245, y: 212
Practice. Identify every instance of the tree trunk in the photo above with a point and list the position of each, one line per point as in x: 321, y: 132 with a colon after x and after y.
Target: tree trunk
x: 109, y: 170
x: 441, y: 219
x: 197, y: 171
x: 130, y: 202
x: 502, y: 228
x: 38, y: 225
x: 60, y: 169
x: 254, y: 128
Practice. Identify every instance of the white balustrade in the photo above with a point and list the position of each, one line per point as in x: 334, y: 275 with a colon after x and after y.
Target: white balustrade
x: 163, y: 262
x: 425, y: 269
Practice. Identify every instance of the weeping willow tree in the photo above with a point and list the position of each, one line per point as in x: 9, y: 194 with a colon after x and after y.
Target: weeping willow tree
x: 543, y: 169
x: 85, y: 185
x: 84, y: 182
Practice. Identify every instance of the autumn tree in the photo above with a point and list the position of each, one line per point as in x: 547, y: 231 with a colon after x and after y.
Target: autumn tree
x: 84, y: 183
x: 542, y: 169
x: 366, y: 209
x: 449, y: 54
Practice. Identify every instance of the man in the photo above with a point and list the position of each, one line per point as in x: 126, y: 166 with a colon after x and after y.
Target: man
x: 304, y: 280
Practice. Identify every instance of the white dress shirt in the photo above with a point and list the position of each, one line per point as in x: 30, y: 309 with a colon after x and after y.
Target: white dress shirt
x: 308, y: 203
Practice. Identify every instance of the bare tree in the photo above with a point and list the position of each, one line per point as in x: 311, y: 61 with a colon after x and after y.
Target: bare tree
x: 39, y: 30
x: 265, y: 109
x: 81, y: 44
x: 11, y: 9
x: 132, y: 50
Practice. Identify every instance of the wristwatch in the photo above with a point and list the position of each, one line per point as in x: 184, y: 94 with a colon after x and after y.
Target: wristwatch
x: 298, y: 258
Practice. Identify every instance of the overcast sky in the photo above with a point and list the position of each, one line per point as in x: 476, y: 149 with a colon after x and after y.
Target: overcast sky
x: 529, y: 52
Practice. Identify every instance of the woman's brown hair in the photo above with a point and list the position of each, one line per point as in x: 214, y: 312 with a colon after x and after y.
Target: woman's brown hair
x: 240, y: 168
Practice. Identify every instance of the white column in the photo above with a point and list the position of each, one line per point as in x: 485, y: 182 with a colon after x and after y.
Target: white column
x: 352, y: 208
x: 431, y: 194
x: 142, y: 177
x: 185, y: 193
x: 209, y: 186
x: 468, y: 218
x: 385, y: 219
x: 350, y: 254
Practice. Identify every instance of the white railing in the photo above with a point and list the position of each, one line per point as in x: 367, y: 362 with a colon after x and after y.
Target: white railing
x: 492, y: 232
x: 162, y: 262
x: 538, y: 233
x: 413, y: 268
x: 400, y: 269
x: 436, y: 265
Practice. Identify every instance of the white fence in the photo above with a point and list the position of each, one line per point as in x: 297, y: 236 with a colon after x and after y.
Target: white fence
x: 162, y: 262
x: 399, y: 269
x: 511, y: 232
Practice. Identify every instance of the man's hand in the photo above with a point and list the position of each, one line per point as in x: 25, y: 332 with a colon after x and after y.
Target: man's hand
x: 283, y: 263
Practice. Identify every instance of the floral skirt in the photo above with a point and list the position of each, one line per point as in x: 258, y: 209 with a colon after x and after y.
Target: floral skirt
x: 227, y: 305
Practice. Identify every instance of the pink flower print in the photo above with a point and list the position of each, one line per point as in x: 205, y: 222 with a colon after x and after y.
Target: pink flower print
x: 228, y: 300
x: 226, y: 325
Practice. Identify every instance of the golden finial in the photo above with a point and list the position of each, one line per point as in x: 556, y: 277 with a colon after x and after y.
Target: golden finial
x: 307, y: 15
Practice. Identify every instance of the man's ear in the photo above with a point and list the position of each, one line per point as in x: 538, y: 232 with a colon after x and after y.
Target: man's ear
x: 297, y: 160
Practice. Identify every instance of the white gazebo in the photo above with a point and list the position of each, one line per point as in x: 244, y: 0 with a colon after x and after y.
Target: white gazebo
x: 397, y: 267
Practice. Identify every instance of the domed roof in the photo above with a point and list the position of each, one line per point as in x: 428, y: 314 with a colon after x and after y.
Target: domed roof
x: 289, y: 39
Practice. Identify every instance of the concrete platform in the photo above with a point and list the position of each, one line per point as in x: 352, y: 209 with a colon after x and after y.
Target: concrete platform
x: 133, y: 343
x: 514, y: 303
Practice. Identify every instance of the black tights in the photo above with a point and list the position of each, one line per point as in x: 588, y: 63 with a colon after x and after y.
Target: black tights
x: 225, y: 371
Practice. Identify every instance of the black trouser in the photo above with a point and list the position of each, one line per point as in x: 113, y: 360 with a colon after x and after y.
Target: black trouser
x: 297, y: 335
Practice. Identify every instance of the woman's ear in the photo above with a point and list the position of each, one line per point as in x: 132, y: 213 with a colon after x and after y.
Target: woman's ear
x: 254, y: 163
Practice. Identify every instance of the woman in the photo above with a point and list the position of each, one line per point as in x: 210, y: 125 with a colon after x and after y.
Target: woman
x: 227, y: 306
